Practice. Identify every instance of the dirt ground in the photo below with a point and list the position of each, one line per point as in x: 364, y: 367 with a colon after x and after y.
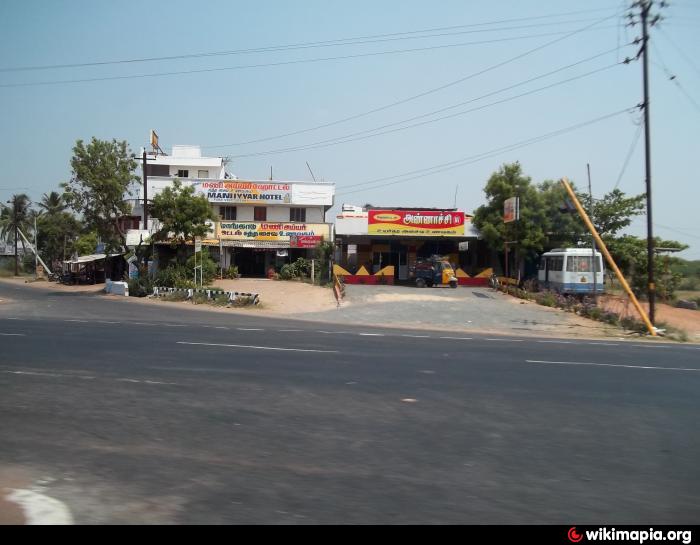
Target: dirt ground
x: 679, y: 318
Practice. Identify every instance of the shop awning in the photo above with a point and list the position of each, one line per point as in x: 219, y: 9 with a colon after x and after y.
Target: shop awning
x: 90, y: 258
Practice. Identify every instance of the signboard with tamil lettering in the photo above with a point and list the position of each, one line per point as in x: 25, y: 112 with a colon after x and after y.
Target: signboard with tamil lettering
x: 305, y: 235
x: 241, y: 192
x: 446, y: 223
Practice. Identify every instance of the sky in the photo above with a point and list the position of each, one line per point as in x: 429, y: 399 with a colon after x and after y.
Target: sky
x: 400, y: 103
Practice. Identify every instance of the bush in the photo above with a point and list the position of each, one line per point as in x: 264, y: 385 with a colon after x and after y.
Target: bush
x: 175, y: 276
x: 231, y: 273
x: 209, y: 266
x: 301, y: 268
x: 140, y: 287
x: 546, y: 298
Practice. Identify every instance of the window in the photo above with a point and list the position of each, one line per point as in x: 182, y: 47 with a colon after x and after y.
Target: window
x: 297, y: 214
x: 227, y: 213
x: 157, y: 170
x: 582, y: 264
x: 260, y: 213
x: 202, y: 174
x: 183, y: 173
x: 555, y: 263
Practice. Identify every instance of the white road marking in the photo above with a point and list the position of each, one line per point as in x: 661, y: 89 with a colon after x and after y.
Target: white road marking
x: 101, y: 322
x: 12, y: 335
x: 334, y: 332
x: 614, y: 365
x: 409, y: 400
x: 249, y: 329
x: 458, y: 338
x: 40, y: 509
x: 649, y: 346
x: 174, y: 325
x: 260, y: 347
x: 145, y: 381
x: 556, y: 342
x: 79, y: 321
x: 417, y: 336
x: 289, y: 330
x: 372, y: 334
x: 221, y: 327
x: 605, y: 344
x: 506, y: 340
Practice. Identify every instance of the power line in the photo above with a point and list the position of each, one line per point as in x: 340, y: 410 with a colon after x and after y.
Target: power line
x: 632, y: 147
x: 443, y: 167
x: 355, y: 136
x: 414, y: 97
x: 672, y: 77
x: 682, y: 53
x: 675, y: 230
x: 278, y: 63
x: 358, y: 40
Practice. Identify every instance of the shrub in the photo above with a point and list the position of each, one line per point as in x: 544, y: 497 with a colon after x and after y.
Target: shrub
x: 546, y: 298
x: 301, y: 268
x: 175, y: 276
x: 140, y: 287
x: 209, y: 267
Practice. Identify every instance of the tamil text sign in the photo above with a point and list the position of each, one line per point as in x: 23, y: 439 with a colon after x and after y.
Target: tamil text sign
x: 446, y: 223
x: 304, y: 235
x: 236, y: 191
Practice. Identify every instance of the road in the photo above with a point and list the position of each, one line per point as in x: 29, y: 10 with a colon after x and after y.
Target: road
x: 138, y: 414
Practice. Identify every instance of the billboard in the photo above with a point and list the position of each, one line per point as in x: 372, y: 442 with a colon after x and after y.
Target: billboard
x: 302, y: 235
x: 511, y: 210
x: 446, y: 223
x: 237, y: 191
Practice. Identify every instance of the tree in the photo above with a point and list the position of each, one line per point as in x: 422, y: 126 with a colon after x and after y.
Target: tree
x: 102, y: 173
x: 57, y: 232
x: 528, y: 234
x: 630, y: 254
x: 562, y: 229
x: 182, y: 215
x: 52, y: 203
x: 614, y: 211
x: 16, y: 216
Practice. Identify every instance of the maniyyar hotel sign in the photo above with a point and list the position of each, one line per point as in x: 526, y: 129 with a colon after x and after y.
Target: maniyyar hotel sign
x: 446, y: 223
x: 236, y: 191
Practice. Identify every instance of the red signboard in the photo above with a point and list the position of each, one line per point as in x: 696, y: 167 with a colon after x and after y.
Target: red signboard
x: 304, y: 241
x: 415, y: 222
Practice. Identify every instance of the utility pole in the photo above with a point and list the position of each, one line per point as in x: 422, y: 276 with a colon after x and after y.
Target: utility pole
x: 651, y: 288
x: 145, y: 191
x: 647, y: 19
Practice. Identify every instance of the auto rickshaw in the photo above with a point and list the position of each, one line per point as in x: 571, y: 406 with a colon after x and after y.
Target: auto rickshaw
x: 435, y: 271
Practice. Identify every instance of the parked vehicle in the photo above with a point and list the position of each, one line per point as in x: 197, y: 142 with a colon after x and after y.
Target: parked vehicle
x: 571, y: 270
x: 434, y: 271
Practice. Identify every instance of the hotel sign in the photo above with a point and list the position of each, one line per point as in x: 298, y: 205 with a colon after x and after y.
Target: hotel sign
x: 240, y: 192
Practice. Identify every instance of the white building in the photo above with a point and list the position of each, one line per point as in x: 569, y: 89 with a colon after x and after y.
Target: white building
x: 261, y: 223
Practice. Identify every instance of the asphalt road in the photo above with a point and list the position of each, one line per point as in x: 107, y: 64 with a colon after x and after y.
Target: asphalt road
x: 138, y: 414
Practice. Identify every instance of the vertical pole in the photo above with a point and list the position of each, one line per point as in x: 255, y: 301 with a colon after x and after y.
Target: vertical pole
x: 651, y: 286
x: 14, y: 205
x: 36, y: 251
x: 145, y: 192
x: 594, y: 261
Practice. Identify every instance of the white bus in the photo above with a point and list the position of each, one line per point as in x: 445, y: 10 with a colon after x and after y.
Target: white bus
x: 570, y: 271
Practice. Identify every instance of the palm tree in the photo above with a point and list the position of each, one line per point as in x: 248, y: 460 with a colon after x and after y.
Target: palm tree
x: 13, y: 217
x: 52, y: 203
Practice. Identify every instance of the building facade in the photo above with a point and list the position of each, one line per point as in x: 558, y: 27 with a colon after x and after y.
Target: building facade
x: 261, y: 224
x: 390, y: 240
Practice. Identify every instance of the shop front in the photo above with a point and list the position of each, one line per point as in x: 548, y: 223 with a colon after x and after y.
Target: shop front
x: 390, y: 241
x: 259, y: 248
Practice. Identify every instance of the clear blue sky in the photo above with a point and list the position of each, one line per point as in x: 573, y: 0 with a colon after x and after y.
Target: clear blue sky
x: 41, y: 123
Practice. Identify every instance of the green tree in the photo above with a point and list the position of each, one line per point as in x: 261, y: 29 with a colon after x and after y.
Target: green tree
x: 102, y: 173
x: 16, y: 215
x: 86, y: 244
x: 529, y: 233
x: 614, y: 211
x: 630, y: 254
x: 52, y: 203
x: 562, y: 229
x: 182, y: 216
x: 57, y: 233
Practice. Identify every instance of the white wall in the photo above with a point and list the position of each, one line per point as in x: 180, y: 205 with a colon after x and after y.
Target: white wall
x: 244, y: 212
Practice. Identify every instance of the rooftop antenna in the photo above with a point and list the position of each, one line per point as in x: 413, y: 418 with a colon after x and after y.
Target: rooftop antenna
x: 270, y: 172
x: 455, y: 203
x: 311, y: 171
